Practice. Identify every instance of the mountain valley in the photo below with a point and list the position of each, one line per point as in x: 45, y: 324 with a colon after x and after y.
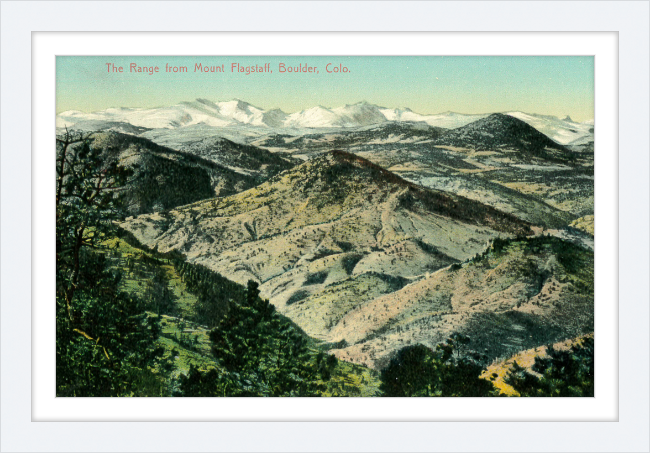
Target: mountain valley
x: 372, y: 228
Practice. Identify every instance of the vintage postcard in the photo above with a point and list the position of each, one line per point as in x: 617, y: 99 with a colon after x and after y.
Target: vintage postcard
x: 325, y: 226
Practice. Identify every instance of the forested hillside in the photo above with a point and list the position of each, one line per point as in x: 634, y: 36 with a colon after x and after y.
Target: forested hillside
x: 136, y: 323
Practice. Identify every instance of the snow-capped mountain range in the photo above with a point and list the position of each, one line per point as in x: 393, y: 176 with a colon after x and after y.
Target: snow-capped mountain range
x: 237, y: 113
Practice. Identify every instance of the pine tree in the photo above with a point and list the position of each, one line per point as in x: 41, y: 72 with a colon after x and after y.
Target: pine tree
x: 158, y: 295
x: 448, y: 371
x: 261, y: 353
x: 105, y: 340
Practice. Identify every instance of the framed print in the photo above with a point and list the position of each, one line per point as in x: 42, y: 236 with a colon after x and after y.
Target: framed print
x: 228, y: 223
x: 290, y: 231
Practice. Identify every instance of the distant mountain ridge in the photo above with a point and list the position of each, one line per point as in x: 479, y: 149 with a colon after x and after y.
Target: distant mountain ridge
x: 237, y: 113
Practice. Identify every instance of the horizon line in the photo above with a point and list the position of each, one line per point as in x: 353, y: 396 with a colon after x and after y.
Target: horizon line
x: 321, y: 106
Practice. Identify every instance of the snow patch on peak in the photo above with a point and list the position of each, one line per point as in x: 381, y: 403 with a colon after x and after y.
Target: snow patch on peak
x: 242, y: 116
x: 563, y: 131
x: 318, y: 116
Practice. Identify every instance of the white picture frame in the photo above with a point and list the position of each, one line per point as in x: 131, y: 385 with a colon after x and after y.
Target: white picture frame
x: 21, y: 431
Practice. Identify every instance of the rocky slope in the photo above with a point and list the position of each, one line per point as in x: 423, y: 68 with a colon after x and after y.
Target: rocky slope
x: 516, y: 296
x: 333, y: 227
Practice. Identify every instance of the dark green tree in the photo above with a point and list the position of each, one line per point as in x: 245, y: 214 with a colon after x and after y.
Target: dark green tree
x: 199, y: 383
x: 215, y: 292
x: 87, y: 201
x: 567, y: 373
x: 259, y: 353
x: 420, y: 371
x: 267, y: 353
x: 158, y: 295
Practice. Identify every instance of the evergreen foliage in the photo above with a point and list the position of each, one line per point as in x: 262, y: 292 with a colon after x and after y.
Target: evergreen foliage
x: 262, y: 353
x: 450, y: 370
x: 158, y: 295
x: 561, y: 373
x: 214, y: 291
x: 160, y: 183
x: 199, y: 383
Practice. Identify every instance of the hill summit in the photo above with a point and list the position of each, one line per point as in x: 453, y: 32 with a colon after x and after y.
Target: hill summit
x: 335, y: 218
x: 337, y: 169
x: 499, y: 131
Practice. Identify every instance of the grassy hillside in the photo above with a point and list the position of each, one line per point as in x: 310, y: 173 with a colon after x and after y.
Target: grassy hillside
x: 242, y: 274
x: 585, y: 224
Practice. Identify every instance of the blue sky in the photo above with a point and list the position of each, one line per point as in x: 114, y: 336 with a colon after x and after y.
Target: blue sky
x: 546, y: 85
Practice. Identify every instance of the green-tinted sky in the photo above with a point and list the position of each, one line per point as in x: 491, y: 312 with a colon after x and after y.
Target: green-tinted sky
x: 546, y: 85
